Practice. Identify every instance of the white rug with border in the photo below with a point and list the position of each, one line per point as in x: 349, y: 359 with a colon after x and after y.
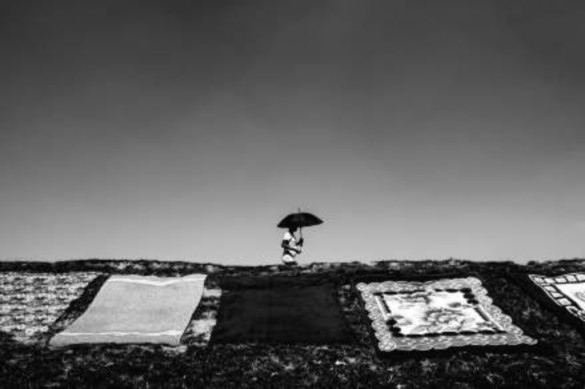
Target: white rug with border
x: 437, y: 315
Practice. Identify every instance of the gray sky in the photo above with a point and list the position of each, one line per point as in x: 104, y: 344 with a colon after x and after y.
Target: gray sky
x: 184, y: 130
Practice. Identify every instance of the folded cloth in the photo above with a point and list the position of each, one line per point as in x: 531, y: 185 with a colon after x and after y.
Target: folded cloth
x: 137, y: 309
x: 281, y: 310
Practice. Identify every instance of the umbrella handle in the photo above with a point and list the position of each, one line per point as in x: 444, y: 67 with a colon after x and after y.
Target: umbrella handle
x: 300, y: 227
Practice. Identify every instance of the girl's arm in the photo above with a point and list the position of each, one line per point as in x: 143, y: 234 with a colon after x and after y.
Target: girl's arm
x: 286, y: 245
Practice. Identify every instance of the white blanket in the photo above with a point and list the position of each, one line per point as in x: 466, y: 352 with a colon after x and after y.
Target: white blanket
x: 137, y: 309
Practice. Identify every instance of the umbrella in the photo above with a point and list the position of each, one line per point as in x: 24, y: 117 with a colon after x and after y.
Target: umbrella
x: 299, y: 219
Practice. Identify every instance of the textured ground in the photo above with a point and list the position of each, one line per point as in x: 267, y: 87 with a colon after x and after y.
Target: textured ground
x: 559, y: 362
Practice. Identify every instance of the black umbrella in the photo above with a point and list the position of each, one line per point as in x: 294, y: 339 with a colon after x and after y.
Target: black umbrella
x: 299, y: 219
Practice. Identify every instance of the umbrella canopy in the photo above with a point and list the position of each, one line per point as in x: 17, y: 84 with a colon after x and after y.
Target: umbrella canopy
x: 299, y: 219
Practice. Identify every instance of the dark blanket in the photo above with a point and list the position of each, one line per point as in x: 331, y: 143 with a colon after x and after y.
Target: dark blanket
x: 283, y: 310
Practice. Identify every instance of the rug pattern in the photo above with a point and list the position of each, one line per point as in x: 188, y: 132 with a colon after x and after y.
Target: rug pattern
x: 437, y: 315
x: 31, y: 302
x: 567, y: 291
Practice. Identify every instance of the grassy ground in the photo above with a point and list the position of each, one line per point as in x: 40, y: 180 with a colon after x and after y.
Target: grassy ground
x: 558, y: 362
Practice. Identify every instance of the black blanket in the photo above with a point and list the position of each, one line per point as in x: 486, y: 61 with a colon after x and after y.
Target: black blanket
x: 283, y: 310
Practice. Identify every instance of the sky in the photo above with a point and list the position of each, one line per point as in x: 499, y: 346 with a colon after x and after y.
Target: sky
x: 185, y: 130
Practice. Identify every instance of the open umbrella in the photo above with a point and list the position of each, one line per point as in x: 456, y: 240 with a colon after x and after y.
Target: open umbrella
x: 299, y: 219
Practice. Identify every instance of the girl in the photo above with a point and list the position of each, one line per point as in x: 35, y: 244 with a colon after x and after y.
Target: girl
x: 291, y: 246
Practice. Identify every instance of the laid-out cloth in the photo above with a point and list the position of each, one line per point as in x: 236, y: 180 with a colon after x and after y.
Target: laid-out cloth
x: 436, y: 315
x: 31, y: 302
x: 280, y: 310
x: 137, y: 309
x: 564, y: 293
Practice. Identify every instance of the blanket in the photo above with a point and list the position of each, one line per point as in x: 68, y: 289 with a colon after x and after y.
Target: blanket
x: 280, y: 310
x: 564, y: 293
x: 31, y: 302
x: 436, y: 315
x: 137, y: 309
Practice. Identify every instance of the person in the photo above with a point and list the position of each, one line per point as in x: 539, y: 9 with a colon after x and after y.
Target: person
x: 291, y: 246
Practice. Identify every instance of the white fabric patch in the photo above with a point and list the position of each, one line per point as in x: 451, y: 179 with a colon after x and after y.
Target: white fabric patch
x: 137, y: 309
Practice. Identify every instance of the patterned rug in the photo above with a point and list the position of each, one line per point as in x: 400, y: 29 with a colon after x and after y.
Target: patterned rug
x: 31, y: 302
x: 137, y: 309
x: 564, y: 292
x: 436, y: 315
x: 280, y: 310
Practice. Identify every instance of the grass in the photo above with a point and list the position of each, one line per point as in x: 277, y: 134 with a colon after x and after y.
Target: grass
x: 558, y: 362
